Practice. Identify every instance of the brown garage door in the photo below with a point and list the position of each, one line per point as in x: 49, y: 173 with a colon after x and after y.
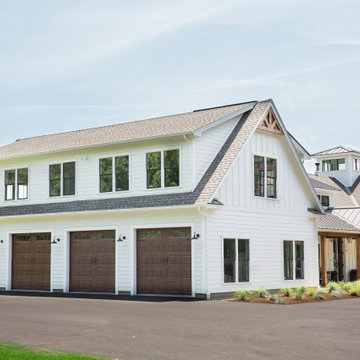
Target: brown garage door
x: 31, y: 262
x: 164, y: 261
x: 92, y: 261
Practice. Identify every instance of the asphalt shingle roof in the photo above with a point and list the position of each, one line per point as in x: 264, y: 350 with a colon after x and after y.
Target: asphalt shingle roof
x: 130, y: 131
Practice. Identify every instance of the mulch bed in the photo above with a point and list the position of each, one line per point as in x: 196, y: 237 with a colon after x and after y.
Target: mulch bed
x: 291, y: 301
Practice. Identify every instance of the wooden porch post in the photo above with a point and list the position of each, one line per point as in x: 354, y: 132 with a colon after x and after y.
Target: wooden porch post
x: 323, y: 249
x: 358, y: 257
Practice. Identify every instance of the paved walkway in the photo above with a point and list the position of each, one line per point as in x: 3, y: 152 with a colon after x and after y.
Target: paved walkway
x: 129, y: 330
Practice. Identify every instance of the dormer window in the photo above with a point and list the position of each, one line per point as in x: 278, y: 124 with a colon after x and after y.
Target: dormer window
x: 333, y: 165
x: 325, y: 200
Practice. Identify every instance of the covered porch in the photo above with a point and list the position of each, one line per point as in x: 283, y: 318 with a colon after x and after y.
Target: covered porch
x: 339, y: 256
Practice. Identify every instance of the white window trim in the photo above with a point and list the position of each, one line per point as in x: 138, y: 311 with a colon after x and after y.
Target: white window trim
x: 114, y: 191
x: 265, y: 197
x: 236, y: 282
x: 16, y: 183
x: 162, y: 150
x: 62, y: 179
x: 294, y: 263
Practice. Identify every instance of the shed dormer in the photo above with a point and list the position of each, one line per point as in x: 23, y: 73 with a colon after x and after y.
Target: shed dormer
x: 342, y: 163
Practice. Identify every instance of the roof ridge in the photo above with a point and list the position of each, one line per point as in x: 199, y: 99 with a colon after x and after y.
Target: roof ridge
x: 223, y: 106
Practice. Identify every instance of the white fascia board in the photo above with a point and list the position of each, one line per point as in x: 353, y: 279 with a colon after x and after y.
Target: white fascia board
x: 199, y: 131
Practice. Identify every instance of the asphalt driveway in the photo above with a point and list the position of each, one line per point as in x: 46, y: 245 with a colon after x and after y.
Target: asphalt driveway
x: 183, y: 330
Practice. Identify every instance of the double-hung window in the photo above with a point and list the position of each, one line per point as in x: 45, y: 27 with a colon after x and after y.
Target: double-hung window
x: 236, y: 260
x: 163, y: 169
x: 16, y: 184
x: 293, y: 269
x: 356, y: 164
x: 265, y: 177
x: 62, y: 179
x: 110, y: 179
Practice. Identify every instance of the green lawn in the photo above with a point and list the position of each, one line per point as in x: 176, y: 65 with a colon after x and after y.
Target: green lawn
x: 9, y: 352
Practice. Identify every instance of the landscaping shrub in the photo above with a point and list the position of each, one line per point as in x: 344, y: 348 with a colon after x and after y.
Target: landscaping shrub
x: 355, y: 289
x: 260, y: 292
x: 312, y: 292
x: 243, y: 294
x: 346, y: 286
x: 319, y: 297
x: 332, y: 286
x: 298, y: 296
x: 286, y: 291
x: 280, y: 301
x: 337, y: 293
x: 272, y: 297
x: 301, y: 289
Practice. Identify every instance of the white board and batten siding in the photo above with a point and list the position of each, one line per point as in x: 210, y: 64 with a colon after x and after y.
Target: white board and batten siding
x: 125, y: 223
x: 87, y: 171
x: 265, y: 222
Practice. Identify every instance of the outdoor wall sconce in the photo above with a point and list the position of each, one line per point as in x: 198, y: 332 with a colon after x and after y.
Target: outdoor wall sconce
x: 195, y: 236
x: 55, y: 241
x: 121, y: 238
x: 1, y: 241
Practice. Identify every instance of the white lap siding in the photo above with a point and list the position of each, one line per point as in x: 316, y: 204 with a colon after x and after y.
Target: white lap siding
x: 266, y: 233
x: 124, y: 223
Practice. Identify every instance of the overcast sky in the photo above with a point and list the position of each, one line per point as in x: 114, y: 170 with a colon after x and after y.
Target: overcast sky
x: 68, y: 65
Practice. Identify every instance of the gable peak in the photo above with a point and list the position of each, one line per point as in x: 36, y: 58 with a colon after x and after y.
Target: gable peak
x: 270, y: 123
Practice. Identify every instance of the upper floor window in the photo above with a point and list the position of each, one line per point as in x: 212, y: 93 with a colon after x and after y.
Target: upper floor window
x: 16, y: 184
x: 162, y: 169
x: 265, y: 169
x: 62, y: 179
x: 356, y: 164
x: 333, y: 165
x: 110, y: 180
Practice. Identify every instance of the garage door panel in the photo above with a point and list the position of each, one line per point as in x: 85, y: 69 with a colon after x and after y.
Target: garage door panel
x: 92, y: 261
x: 31, y: 261
x: 164, y: 261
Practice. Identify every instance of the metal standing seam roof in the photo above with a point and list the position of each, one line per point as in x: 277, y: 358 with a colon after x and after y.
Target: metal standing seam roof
x: 130, y: 131
x: 346, y: 219
x: 339, y: 150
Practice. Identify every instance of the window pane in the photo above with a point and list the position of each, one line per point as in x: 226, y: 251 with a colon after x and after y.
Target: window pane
x: 10, y: 185
x: 55, y: 179
x: 69, y: 178
x: 22, y: 183
x: 341, y: 164
x: 106, y: 179
x: 325, y: 200
x: 229, y: 260
x: 259, y: 175
x: 153, y: 169
x: 288, y: 260
x: 122, y: 173
x: 299, y: 255
x: 271, y: 178
x: 171, y: 167
x: 243, y: 260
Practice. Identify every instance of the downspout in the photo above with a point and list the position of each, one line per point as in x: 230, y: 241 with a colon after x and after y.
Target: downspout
x: 204, y: 251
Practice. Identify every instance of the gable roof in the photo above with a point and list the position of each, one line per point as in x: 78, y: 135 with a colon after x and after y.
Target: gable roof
x: 172, y: 125
x: 203, y: 192
x: 341, y: 197
x: 339, y: 150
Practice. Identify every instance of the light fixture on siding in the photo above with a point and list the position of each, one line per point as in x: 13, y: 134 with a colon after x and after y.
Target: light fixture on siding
x: 1, y: 241
x: 195, y: 236
x: 121, y: 238
x: 55, y: 241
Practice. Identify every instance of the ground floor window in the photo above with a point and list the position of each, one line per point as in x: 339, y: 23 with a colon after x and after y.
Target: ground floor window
x: 236, y: 260
x: 293, y: 250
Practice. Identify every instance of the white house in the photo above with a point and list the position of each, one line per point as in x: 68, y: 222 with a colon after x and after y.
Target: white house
x: 197, y: 204
x: 337, y: 182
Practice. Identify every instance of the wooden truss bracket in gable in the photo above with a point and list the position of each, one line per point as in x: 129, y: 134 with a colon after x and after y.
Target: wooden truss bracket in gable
x: 270, y: 123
